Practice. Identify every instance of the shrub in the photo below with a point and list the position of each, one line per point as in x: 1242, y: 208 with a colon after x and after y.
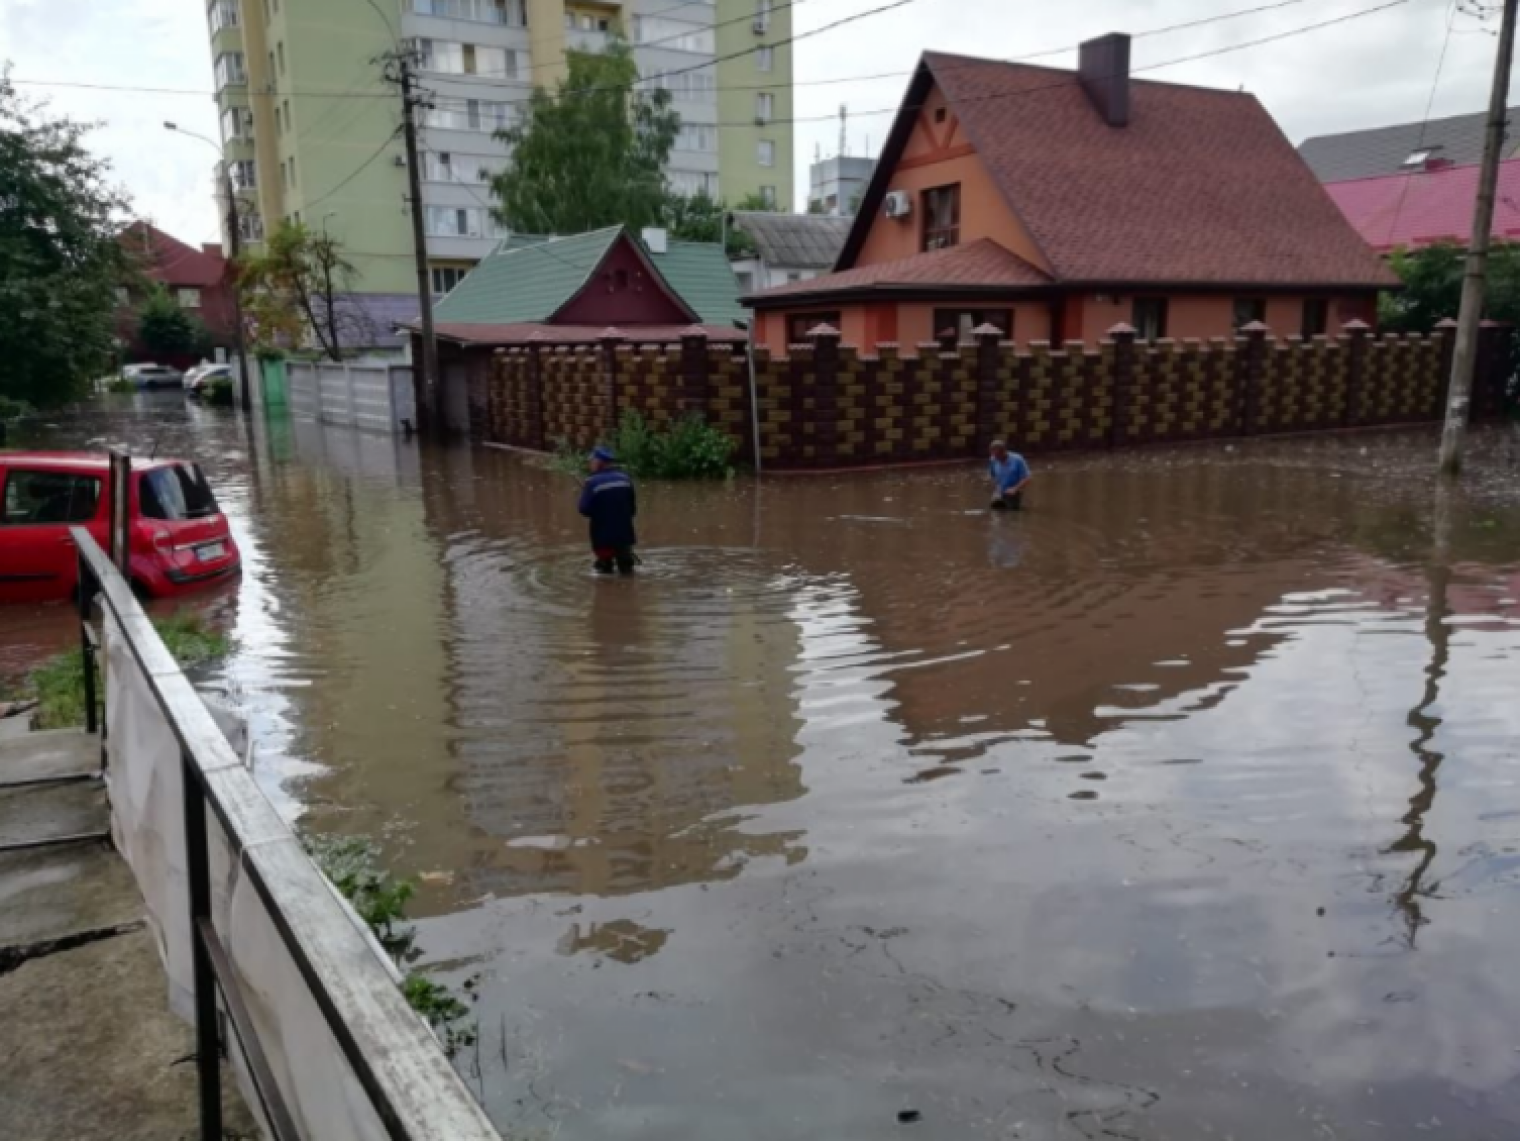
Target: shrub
x: 219, y: 392
x: 13, y: 409
x: 120, y: 384
x: 690, y: 449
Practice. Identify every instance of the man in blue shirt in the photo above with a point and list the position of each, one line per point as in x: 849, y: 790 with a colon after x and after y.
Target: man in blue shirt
x: 608, y: 499
x: 1010, y: 475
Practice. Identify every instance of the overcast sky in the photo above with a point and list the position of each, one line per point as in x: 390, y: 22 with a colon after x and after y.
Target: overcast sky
x: 1369, y: 71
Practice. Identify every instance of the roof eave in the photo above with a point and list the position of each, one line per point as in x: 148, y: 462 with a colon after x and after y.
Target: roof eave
x: 899, y: 291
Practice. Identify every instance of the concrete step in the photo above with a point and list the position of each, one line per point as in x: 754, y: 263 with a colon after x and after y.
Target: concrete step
x: 60, y: 752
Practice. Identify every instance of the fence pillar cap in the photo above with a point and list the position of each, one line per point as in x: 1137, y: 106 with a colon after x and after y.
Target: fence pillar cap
x: 1255, y: 328
x: 824, y: 330
x: 1486, y: 323
x: 693, y: 333
x: 1122, y: 329
x: 1446, y: 323
x: 987, y: 330
x: 1356, y: 326
x: 610, y: 333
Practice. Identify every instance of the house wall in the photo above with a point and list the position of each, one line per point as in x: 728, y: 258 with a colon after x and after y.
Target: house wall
x: 639, y: 301
x: 1204, y: 316
x: 828, y: 405
x: 938, y: 154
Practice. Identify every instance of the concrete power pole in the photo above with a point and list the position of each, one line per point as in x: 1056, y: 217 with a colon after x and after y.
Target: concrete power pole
x: 234, y: 247
x: 430, y: 387
x: 1465, y: 357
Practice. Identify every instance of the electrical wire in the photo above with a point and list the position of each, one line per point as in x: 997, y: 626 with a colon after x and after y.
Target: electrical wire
x: 1435, y: 84
x: 357, y: 171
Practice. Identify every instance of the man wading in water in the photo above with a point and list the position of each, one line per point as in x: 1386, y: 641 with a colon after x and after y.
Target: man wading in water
x: 610, y: 502
x: 1010, y: 476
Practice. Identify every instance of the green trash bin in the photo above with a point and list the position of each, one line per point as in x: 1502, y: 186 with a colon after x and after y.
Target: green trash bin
x: 273, y: 374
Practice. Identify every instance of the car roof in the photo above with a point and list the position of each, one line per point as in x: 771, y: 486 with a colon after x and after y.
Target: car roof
x: 77, y: 461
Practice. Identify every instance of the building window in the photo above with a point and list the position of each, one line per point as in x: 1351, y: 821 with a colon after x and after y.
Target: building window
x: 188, y: 298
x: 942, y: 217
x: 513, y: 13
x: 289, y: 122
x: 243, y: 174
x: 229, y: 70
x: 1316, y: 317
x: 964, y: 322
x: 700, y: 137
x: 292, y: 170
x: 446, y: 277
x: 768, y: 196
x: 33, y: 498
x: 765, y: 106
x: 763, y: 15
x: 799, y: 325
x: 457, y: 222
x: 224, y: 14
x: 280, y: 50
x: 279, y: 124
x: 765, y: 59
x: 237, y: 123
x: 746, y: 283
x: 1248, y: 309
x: 1149, y: 318
x: 767, y: 152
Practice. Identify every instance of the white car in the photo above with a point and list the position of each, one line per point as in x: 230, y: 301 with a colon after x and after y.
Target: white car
x: 199, y: 377
x: 152, y: 376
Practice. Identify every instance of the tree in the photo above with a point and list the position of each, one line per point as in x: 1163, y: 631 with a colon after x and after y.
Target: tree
x: 590, y: 155
x: 699, y: 218
x: 60, y: 264
x: 756, y: 203
x: 166, y: 330
x: 299, y: 288
x: 1432, y: 291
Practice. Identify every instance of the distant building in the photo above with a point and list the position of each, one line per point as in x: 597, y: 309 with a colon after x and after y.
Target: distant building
x: 838, y: 184
x: 195, y: 277
x: 788, y: 247
x: 1403, y: 148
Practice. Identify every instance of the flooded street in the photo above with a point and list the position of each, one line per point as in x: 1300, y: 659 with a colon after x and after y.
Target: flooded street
x: 1185, y: 804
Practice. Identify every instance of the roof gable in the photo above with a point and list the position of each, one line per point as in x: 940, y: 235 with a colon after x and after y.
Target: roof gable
x: 806, y: 241
x: 526, y: 282
x: 1200, y: 188
x: 164, y: 258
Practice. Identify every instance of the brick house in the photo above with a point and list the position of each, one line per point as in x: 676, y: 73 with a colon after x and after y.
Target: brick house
x: 196, y: 277
x: 1054, y: 205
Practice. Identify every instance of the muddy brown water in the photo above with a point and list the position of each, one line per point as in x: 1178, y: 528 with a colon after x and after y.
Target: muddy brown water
x: 1185, y: 804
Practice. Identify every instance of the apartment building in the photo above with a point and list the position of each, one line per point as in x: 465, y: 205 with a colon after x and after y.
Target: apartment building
x: 311, y: 132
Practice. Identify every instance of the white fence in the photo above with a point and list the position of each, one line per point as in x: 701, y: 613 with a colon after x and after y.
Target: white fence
x: 373, y: 395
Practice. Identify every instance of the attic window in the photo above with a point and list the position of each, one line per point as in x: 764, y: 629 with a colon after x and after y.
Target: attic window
x: 1418, y: 158
x: 939, y: 114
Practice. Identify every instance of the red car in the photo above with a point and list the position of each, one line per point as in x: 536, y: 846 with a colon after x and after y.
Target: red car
x: 179, y: 537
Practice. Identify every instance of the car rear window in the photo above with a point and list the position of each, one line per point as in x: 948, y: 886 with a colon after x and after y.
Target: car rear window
x: 36, y: 497
x: 178, y: 492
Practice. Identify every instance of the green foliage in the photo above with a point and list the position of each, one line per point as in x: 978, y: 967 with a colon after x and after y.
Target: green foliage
x: 60, y: 262
x: 691, y: 449
x: 58, y: 684
x: 1432, y: 291
x: 13, y: 409
x: 352, y: 864
x: 699, y: 218
x: 165, y: 329
x: 756, y: 203
x: 591, y: 154
x: 294, y: 289
x: 219, y: 392
x: 120, y: 385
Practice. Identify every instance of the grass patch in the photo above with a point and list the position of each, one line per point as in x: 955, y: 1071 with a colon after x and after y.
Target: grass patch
x: 58, y: 684
x: 352, y: 863
x: 690, y: 448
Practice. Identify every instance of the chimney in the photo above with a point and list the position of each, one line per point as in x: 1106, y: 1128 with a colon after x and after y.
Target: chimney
x: 1103, y: 71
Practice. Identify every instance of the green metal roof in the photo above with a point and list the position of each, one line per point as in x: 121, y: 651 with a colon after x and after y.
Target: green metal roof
x: 530, y: 278
x: 522, y: 282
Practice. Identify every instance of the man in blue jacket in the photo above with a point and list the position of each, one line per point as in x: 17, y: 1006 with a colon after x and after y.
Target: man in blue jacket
x: 1010, y: 475
x: 608, y: 499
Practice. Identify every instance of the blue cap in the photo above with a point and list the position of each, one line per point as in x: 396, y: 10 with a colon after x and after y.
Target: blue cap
x: 603, y: 454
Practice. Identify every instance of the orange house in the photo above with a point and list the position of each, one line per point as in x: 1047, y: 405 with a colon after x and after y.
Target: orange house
x: 1055, y: 205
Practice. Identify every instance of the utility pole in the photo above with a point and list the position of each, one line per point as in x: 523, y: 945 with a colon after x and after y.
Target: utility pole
x: 1465, y: 356
x: 430, y: 379
x: 235, y: 246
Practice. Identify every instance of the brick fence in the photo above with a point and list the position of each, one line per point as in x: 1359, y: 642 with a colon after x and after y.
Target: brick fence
x: 828, y: 405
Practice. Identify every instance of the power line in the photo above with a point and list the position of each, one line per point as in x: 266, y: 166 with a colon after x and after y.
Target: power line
x: 360, y: 169
x: 1398, y: 210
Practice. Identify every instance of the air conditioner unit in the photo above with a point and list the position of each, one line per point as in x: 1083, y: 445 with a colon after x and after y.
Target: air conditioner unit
x: 899, y: 204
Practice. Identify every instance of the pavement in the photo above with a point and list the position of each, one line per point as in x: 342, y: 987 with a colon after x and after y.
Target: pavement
x: 90, y: 1049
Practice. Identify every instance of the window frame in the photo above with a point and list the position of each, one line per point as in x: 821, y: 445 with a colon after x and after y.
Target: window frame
x: 765, y: 152
x: 813, y: 319
x: 1163, y: 312
x: 1320, y: 308
x: 965, y: 320
x: 1250, y: 309
x: 941, y: 237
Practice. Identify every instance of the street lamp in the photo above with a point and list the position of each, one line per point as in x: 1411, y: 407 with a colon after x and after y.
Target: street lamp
x: 235, y: 245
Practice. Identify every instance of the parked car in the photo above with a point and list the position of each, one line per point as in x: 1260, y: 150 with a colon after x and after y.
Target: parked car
x: 147, y: 376
x: 198, y: 378
x: 178, y: 537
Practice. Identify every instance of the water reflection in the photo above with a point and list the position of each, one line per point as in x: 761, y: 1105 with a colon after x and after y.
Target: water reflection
x: 1094, y: 821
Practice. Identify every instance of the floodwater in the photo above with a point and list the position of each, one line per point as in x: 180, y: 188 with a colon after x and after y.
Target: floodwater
x: 1185, y: 804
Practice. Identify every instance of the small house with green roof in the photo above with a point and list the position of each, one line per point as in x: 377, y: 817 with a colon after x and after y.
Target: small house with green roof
x: 551, y: 292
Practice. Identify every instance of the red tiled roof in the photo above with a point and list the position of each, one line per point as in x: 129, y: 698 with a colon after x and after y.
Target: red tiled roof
x: 1201, y: 187
x: 1426, y: 206
x: 982, y: 264
x: 538, y: 333
x: 167, y: 259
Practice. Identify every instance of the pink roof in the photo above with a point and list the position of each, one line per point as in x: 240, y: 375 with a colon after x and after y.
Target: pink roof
x: 1426, y: 206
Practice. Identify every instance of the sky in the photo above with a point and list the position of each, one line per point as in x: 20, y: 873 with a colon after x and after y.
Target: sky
x: 1368, y: 71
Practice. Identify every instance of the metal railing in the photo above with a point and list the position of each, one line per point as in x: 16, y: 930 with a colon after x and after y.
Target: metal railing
x: 411, y: 1088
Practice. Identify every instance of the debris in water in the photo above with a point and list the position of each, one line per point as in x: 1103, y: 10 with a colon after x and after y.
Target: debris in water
x: 909, y: 1117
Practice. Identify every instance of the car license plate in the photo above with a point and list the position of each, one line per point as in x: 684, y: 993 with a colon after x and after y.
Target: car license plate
x: 210, y: 552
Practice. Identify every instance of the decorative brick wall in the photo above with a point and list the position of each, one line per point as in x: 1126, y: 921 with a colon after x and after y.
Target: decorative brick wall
x: 826, y: 405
